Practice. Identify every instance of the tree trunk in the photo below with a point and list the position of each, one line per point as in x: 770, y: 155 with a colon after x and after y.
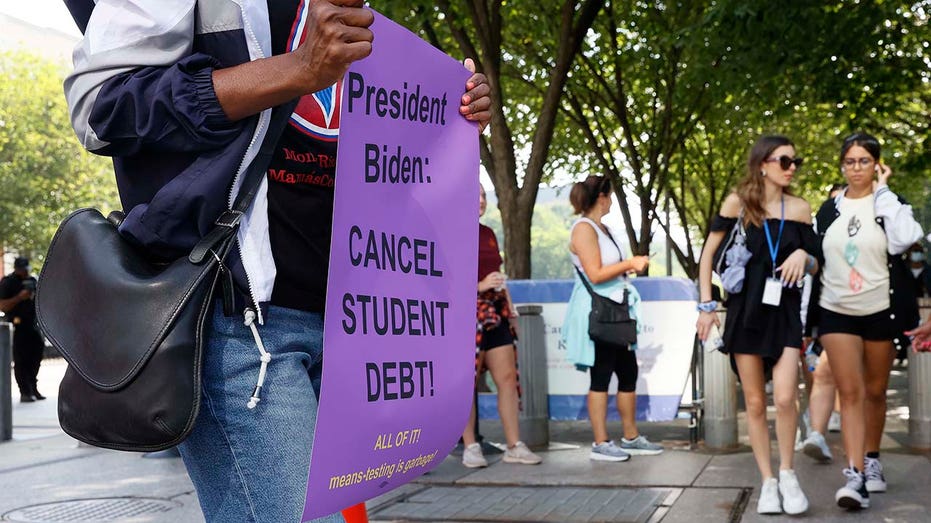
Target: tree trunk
x: 517, y: 240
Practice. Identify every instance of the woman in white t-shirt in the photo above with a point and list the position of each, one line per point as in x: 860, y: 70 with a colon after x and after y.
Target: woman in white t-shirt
x: 865, y: 305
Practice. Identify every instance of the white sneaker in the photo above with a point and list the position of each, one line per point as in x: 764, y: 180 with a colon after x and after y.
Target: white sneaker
x: 875, y: 481
x: 472, y: 456
x: 793, y: 499
x: 817, y: 448
x: 834, y: 422
x: 769, y: 498
x: 519, y: 453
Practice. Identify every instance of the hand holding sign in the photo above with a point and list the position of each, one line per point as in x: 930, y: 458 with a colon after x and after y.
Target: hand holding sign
x: 476, y: 102
x: 400, y: 325
x: 336, y: 34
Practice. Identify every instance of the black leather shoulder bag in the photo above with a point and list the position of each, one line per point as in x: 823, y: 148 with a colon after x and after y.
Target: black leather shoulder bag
x: 610, y: 321
x: 132, y: 328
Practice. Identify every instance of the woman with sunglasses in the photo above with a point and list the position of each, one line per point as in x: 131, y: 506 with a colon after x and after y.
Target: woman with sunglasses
x: 763, y: 330
x: 866, y: 304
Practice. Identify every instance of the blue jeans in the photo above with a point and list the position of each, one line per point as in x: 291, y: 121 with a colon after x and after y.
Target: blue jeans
x: 250, y: 465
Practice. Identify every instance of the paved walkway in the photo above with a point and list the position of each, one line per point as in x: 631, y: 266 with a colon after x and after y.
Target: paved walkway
x: 45, y: 476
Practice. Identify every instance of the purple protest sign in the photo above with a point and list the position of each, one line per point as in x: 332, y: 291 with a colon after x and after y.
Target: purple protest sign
x: 399, y: 334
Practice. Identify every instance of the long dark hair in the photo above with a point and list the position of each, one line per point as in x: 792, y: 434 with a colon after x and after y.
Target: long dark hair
x: 584, y: 194
x: 866, y: 141
x: 750, y: 188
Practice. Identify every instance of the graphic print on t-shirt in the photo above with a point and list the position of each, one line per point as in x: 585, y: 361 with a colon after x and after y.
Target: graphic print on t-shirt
x: 851, y: 253
x: 301, y: 179
x: 316, y: 115
x: 855, y: 277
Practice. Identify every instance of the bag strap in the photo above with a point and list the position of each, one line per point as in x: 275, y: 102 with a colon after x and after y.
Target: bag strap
x: 588, y: 286
x: 591, y: 291
x: 252, y: 177
x: 618, y: 247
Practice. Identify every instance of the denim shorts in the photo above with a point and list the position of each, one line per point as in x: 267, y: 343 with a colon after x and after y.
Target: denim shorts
x: 251, y: 465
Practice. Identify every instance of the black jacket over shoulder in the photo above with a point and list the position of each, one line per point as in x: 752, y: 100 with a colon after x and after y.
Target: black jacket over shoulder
x: 902, y: 298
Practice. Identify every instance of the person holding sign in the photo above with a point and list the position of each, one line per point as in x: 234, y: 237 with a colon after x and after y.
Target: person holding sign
x: 867, y: 302
x: 178, y: 92
x: 596, y: 254
x: 496, y: 351
x: 763, y: 330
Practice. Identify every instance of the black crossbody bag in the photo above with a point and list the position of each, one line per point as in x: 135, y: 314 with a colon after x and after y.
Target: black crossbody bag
x: 132, y: 328
x: 609, y: 321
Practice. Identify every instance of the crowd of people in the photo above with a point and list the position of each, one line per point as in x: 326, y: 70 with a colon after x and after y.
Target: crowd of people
x: 867, y: 271
x: 175, y: 100
x: 832, y: 294
x: 832, y: 297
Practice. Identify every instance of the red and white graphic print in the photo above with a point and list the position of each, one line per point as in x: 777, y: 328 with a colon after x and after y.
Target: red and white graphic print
x: 317, y: 114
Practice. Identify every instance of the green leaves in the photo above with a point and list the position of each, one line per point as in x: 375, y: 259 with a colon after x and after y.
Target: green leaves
x: 44, y: 172
x: 667, y: 97
x: 673, y: 95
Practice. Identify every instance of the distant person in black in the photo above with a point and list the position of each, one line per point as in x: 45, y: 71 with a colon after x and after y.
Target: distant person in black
x: 17, y: 293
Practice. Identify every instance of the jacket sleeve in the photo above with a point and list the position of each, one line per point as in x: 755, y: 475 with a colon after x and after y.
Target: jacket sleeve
x: 820, y: 225
x: 902, y: 230
x: 138, y: 85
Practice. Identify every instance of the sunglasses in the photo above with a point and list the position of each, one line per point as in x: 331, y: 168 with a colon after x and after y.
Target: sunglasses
x: 785, y: 162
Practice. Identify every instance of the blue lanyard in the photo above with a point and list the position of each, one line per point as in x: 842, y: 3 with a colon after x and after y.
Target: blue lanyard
x: 774, y: 248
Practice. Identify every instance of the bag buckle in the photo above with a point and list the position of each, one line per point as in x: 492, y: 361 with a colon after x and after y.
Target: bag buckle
x: 229, y: 218
x: 225, y: 226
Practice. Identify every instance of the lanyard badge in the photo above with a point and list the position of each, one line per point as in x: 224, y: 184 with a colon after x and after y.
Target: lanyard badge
x: 772, y: 289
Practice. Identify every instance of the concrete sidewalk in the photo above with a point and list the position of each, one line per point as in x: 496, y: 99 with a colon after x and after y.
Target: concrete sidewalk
x: 45, y: 476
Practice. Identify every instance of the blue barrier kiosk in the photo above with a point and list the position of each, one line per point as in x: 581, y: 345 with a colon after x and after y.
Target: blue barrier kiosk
x: 666, y: 351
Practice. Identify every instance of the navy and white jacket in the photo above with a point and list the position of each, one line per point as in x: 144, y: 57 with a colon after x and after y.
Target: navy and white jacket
x: 142, y: 92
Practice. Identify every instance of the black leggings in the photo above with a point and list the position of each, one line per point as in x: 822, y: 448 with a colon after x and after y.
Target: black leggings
x: 614, y: 359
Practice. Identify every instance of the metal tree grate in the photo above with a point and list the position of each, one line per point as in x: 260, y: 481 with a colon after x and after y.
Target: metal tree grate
x: 537, y: 503
x: 97, y: 510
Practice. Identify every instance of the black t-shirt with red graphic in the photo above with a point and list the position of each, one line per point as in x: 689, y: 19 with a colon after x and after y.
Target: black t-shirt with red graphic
x: 301, y: 179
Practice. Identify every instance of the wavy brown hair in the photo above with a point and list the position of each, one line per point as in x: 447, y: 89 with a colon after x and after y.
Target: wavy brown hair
x: 750, y: 188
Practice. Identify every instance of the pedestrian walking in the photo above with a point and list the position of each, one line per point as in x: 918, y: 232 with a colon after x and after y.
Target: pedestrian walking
x: 822, y: 414
x: 763, y: 330
x: 867, y: 302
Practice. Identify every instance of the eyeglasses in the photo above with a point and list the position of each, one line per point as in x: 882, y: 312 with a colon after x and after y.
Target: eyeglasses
x: 786, y: 161
x: 862, y: 162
